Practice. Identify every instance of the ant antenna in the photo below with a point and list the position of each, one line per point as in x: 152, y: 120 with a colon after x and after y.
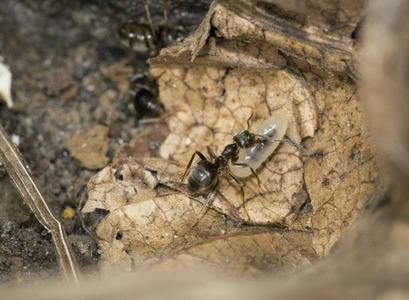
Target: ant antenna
x: 206, y: 206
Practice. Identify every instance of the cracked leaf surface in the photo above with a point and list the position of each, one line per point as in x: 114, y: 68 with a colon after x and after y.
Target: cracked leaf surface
x: 315, y: 184
x: 212, y: 105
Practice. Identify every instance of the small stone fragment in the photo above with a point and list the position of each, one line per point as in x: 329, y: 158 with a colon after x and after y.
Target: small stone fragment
x: 90, y: 146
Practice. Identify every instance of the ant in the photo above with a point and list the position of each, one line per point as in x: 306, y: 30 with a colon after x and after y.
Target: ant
x: 145, y: 98
x: 147, y: 104
x: 207, y: 173
x: 241, y: 158
x: 145, y: 38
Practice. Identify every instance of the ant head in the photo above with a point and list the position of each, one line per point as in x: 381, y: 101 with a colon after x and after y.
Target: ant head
x: 244, y: 139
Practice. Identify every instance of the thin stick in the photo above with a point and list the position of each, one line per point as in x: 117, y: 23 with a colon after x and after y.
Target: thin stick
x: 22, y: 180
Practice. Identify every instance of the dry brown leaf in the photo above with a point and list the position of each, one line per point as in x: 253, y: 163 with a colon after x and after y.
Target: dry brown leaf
x: 338, y: 166
x: 343, y: 175
x: 246, y: 253
x: 316, y: 183
x: 213, y: 104
x: 147, y: 231
x: 114, y: 187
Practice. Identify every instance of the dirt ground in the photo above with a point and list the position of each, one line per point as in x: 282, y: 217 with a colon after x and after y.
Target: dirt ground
x: 71, y: 79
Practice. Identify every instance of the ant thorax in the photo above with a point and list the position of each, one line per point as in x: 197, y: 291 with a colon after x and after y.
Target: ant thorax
x: 257, y: 149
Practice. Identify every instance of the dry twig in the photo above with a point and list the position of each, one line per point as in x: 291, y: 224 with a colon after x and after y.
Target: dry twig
x: 21, y: 178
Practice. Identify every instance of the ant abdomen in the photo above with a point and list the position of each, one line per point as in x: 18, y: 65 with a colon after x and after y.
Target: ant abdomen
x: 147, y: 105
x: 202, y: 178
x: 255, y: 151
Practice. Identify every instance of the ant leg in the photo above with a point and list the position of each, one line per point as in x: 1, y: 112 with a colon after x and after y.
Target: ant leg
x: 211, y: 153
x: 248, y: 120
x: 210, y: 196
x: 148, y: 15
x: 298, y: 146
x: 233, y: 213
x: 243, y: 197
x: 258, y: 179
x: 251, y: 170
x: 205, y: 207
x: 202, y: 157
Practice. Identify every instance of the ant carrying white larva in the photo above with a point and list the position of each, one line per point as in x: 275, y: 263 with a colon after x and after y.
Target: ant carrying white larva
x: 240, y: 158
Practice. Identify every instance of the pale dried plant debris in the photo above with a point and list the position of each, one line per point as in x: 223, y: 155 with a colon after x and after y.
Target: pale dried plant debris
x: 22, y: 179
x: 5, y: 84
x: 247, y: 34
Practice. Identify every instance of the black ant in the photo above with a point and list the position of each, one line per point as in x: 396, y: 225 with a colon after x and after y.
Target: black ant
x: 145, y: 98
x: 206, y: 174
x: 147, y: 105
x: 147, y: 38
x: 240, y: 158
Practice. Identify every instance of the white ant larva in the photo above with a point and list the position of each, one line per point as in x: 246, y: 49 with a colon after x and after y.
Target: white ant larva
x: 257, y: 149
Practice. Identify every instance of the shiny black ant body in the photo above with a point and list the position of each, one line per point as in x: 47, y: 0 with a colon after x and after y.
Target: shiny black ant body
x: 145, y: 98
x: 146, y: 104
x: 206, y: 174
x: 240, y: 158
